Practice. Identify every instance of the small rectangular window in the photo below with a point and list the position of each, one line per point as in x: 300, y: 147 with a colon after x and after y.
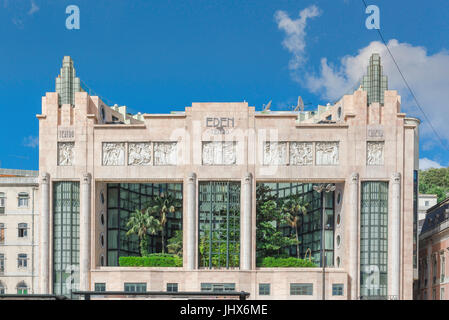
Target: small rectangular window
x: 135, y: 287
x: 337, y: 289
x: 264, y: 289
x: 22, y: 260
x: 301, y: 289
x: 172, y: 287
x: 23, y: 230
x: 217, y: 287
x: 23, y: 200
x: 100, y: 287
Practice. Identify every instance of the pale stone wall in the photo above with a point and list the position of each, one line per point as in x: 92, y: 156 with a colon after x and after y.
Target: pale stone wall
x: 13, y: 245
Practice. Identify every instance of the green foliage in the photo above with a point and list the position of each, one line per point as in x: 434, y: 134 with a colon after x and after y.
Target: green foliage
x: 152, y: 260
x: 434, y: 181
x: 218, y: 260
x: 272, y: 213
x: 290, y: 262
x: 159, y: 207
x: 175, y: 244
x: 142, y: 223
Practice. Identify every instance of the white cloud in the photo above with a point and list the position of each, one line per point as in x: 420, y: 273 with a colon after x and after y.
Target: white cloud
x: 34, y: 8
x: 295, y: 33
x: 427, y: 75
x: 31, y: 141
x: 425, y: 164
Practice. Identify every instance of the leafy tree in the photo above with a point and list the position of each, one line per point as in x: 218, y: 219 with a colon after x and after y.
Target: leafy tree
x: 270, y: 238
x: 175, y: 244
x: 294, y: 208
x: 160, y: 206
x: 142, y: 223
x: 434, y: 181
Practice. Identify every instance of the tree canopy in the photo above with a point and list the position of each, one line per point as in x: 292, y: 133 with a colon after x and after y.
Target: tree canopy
x: 434, y: 181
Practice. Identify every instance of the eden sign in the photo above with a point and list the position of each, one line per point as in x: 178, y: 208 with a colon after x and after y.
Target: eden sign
x: 220, y: 122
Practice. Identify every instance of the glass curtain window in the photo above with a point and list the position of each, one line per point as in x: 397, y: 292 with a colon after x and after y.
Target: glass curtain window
x: 66, y: 223
x: 219, y: 224
x: 374, y: 239
x: 309, y: 225
x: 124, y: 199
x: 415, y: 218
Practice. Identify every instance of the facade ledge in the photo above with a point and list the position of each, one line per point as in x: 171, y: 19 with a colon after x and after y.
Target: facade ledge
x: 322, y: 125
x: 119, y: 126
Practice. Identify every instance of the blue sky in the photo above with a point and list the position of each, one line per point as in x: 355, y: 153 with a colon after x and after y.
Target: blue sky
x: 158, y: 56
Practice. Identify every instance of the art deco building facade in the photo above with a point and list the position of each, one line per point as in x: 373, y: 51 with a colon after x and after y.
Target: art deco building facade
x: 223, y: 162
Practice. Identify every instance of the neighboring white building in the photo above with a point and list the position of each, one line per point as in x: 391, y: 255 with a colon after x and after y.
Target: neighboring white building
x: 425, y: 201
x: 18, y: 231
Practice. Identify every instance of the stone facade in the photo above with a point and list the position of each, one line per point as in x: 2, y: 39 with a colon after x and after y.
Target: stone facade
x: 232, y: 142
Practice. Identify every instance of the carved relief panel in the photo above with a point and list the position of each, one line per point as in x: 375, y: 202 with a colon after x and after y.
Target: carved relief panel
x: 275, y: 153
x: 165, y: 153
x: 301, y: 153
x: 139, y: 153
x: 375, y: 153
x: 66, y: 153
x: 219, y: 153
x: 113, y: 153
x: 327, y: 153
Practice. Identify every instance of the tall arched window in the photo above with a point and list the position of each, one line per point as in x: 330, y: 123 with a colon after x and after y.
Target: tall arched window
x: 22, y: 288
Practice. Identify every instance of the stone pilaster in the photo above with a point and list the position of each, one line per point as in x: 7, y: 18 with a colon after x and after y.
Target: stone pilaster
x: 246, y: 223
x: 44, y: 233
x: 395, y: 243
x: 190, y: 260
x: 353, y: 224
x: 85, y: 229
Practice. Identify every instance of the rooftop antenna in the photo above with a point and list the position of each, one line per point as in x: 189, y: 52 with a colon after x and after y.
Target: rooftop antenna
x: 267, y: 107
x: 300, y: 105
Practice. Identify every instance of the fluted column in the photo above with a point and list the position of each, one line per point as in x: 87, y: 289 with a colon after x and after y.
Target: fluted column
x: 190, y: 261
x: 44, y: 232
x: 395, y: 243
x: 85, y: 214
x: 353, y: 223
x: 246, y: 225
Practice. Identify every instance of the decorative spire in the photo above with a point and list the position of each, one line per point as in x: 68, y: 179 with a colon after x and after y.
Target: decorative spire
x: 67, y: 83
x: 375, y: 83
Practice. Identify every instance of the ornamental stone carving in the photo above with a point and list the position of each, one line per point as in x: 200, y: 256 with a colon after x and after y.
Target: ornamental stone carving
x: 301, y: 153
x: 375, y: 153
x: 275, y: 153
x: 113, y: 153
x: 165, y: 153
x: 139, y: 154
x: 219, y: 153
x: 327, y: 153
x: 65, y: 153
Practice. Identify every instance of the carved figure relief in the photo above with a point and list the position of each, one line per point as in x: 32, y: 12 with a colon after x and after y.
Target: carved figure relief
x: 301, y: 153
x: 375, y: 153
x: 65, y: 153
x: 165, y: 153
x: 275, y: 153
x: 219, y: 153
x: 139, y: 154
x: 113, y: 153
x: 327, y: 153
